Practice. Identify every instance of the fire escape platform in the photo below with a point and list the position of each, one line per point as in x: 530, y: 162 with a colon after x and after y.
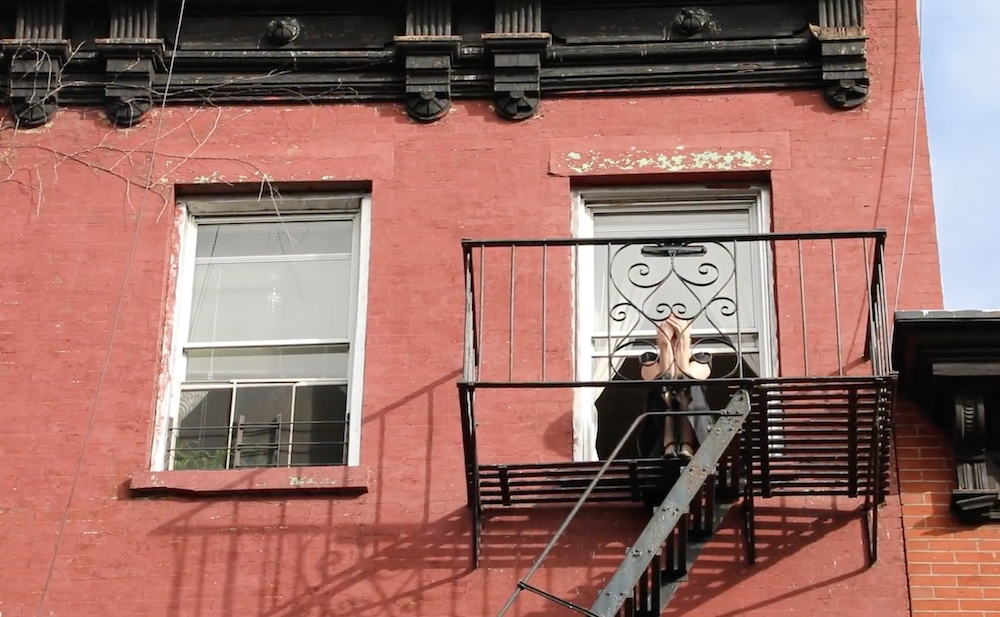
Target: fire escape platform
x: 816, y: 436
x: 714, y: 310
x: 533, y: 484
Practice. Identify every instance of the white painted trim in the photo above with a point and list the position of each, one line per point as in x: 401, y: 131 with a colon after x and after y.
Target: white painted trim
x: 662, y: 199
x: 184, y: 280
x: 315, y: 342
x: 356, y: 352
x: 584, y: 413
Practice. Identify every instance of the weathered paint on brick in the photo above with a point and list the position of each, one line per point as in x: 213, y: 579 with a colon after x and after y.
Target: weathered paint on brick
x: 953, y: 567
x: 678, y: 160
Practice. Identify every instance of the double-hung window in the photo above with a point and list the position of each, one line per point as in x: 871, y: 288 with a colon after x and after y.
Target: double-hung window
x: 626, y: 289
x: 269, y: 334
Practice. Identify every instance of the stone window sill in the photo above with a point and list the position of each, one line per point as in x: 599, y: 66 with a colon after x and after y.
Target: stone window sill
x: 257, y: 482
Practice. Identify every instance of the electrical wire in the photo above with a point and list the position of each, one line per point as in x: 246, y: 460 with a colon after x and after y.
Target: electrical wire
x: 913, y: 163
x: 894, y: 427
x: 117, y: 316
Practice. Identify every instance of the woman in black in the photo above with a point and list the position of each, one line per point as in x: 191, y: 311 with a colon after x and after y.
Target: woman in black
x: 677, y: 435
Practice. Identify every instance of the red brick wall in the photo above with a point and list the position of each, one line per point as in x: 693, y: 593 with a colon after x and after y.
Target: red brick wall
x: 953, y: 569
x: 74, y: 544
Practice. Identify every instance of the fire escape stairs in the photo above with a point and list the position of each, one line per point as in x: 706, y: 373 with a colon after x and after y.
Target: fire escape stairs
x: 679, y: 528
x: 638, y: 570
x: 729, y: 464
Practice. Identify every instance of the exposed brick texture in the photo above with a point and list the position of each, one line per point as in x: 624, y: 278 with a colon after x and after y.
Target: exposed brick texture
x: 75, y: 546
x: 954, y: 569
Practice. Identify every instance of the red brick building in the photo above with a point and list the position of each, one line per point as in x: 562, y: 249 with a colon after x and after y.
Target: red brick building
x: 251, y: 368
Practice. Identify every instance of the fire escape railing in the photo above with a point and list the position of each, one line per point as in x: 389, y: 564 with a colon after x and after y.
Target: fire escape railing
x: 818, y: 421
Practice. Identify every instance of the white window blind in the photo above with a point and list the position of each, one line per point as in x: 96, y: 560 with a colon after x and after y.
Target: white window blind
x: 720, y: 289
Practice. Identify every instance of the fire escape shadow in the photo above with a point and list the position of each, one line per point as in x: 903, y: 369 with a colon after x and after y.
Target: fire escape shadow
x: 576, y: 569
x: 782, y: 532
x: 305, y: 557
x: 390, y: 566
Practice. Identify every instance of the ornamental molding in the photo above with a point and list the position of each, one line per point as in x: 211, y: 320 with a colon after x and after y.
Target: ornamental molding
x: 422, y: 53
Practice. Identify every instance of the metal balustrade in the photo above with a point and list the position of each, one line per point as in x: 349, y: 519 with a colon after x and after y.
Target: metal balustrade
x: 796, y: 321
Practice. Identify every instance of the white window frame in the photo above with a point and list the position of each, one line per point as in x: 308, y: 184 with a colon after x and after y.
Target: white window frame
x: 757, y: 197
x: 242, y: 209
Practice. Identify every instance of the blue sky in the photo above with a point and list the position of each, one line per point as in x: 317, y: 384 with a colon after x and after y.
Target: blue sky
x: 962, y: 86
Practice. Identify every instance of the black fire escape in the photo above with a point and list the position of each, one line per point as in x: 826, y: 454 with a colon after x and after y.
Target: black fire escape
x: 816, y: 423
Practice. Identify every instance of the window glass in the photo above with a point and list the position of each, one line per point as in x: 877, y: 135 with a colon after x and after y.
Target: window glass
x: 249, y: 397
x: 267, y: 363
x: 273, y: 238
x: 271, y: 300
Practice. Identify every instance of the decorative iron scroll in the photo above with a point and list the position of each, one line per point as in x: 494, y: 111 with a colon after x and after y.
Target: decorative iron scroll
x: 694, y: 283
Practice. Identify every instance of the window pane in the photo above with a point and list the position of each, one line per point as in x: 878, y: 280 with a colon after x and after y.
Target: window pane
x: 267, y: 363
x: 715, y: 288
x: 262, y: 417
x: 274, y: 238
x: 271, y: 301
x: 320, y: 433
x: 202, y: 430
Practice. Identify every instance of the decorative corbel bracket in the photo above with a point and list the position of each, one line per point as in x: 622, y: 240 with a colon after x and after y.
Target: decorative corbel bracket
x: 131, y: 65
x: 949, y: 362
x: 132, y: 54
x: 35, y: 67
x: 517, y: 64
x: 35, y: 57
x: 976, y: 498
x: 429, y: 60
x: 430, y: 51
x: 517, y: 47
x: 841, y: 35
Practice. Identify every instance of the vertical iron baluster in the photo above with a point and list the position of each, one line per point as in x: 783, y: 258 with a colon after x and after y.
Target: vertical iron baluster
x: 642, y: 593
x: 277, y: 442
x: 232, y: 422
x: 836, y: 306
x: 510, y: 339
x: 870, y: 290
x: 802, y: 306
x: 736, y: 300
x: 852, y: 442
x: 291, y: 428
x: 875, y: 300
x: 172, y: 431
x: 607, y: 313
x: 545, y: 285
x: 883, y: 308
x: 239, y: 441
x: 470, y: 311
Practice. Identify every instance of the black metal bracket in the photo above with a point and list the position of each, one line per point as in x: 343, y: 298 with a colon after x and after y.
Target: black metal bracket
x: 131, y: 65
x: 35, y: 57
x: 517, y: 63
x: 950, y: 361
x: 132, y: 55
x: 428, y: 74
x: 841, y: 34
x: 976, y: 499
x: 517, y: 47
x: 430, y: 52
x: 35, y: 78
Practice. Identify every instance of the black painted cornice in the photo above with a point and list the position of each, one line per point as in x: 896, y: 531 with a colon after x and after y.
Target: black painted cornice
x: 949, y: 363
x: 422, y: 52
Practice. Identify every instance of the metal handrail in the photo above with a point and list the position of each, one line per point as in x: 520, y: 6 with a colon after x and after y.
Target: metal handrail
x: 523, y: 583
x: 809, y: 235
x: 876, y: 334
